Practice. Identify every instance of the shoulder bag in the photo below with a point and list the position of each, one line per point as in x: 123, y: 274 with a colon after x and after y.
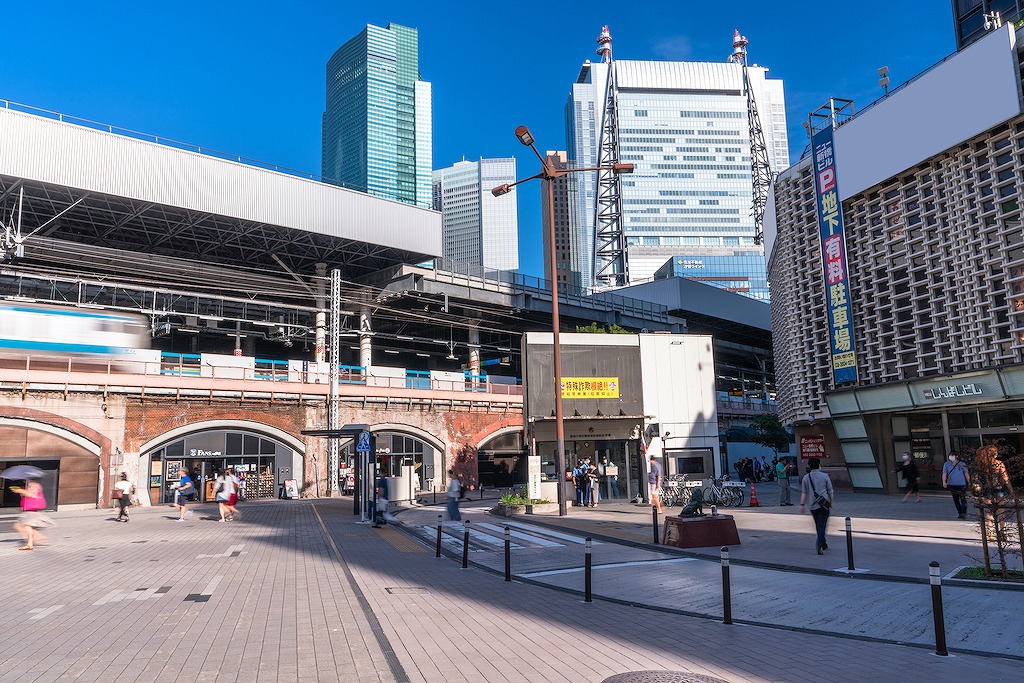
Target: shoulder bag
x: 819, y: 500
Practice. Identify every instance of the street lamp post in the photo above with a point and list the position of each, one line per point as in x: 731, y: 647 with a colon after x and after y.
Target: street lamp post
x: 549, y: 173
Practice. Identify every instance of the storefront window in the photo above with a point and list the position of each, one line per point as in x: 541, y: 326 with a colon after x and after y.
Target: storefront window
x: 1001, y: 418
x: 964, y: 420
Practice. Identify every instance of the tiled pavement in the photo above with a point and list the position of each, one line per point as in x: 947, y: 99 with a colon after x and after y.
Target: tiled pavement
x: 298, y: 590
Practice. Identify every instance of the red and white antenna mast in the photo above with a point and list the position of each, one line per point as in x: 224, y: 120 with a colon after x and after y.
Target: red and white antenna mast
x: 761, y: 172
x: 611, y: 265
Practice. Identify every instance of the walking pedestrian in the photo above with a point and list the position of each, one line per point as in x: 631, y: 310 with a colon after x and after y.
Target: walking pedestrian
x: 183, y: 489
x: 123, y: 491
x: 910, y: 475
x: 31, y: 519
x: 955, y: 477
x: 782, y: 474
x: 235, y: 496
x: 757, y: 470
x: 225, y: 488
x: 454, y: 491
x: 817, y: 487
x: 579, y: 480
x: 654, y: 484
x: 594, y: 482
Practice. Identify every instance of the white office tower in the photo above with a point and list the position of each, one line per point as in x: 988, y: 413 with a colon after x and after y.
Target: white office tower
x: 685, y: 127
x: 479, y: 229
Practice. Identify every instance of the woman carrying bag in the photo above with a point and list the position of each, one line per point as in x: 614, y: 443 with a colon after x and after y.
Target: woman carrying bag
x: 123, y: 491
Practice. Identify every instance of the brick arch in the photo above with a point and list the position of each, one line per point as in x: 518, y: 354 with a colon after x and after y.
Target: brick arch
x: 267, y: 430
x: 410, y: 430
x: 501, y: 431
x: 70, y: 430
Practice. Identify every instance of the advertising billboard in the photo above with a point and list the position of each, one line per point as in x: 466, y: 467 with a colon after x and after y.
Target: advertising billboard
x: 833, y: 259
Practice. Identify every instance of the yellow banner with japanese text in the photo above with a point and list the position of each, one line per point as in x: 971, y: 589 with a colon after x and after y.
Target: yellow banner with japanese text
x: 590, y: 387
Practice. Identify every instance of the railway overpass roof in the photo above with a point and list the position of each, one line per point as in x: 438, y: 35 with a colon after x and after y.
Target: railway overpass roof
x: 86, y: 185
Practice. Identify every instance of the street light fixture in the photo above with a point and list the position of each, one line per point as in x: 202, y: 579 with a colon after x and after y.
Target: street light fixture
x: 549, y: 173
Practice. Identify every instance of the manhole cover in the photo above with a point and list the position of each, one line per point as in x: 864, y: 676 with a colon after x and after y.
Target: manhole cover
x: 662, y: 677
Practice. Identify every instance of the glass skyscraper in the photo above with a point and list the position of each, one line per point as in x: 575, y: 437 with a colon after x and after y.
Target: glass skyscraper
x: 377, y: 122
x: 684, y: 126
x: 479, y: 228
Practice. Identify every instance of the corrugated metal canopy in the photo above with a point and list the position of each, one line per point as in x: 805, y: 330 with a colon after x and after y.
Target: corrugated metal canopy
x: 98, y: 188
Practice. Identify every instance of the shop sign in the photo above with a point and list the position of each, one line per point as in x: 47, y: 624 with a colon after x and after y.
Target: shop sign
x: 812, y: 446
x: 833, y: 257
x: 200, y: 453
x: 953, y: 391
x: 590, y: 387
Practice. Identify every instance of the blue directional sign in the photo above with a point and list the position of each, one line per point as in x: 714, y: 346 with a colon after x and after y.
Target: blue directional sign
x: 363, y: 445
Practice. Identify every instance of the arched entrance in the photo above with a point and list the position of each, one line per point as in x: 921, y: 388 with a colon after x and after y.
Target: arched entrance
x: 262, y: 463
x: 501, y: 459
x: 70, y: 462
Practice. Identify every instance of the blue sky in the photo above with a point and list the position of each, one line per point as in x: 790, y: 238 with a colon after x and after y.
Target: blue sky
x: 248, y: 78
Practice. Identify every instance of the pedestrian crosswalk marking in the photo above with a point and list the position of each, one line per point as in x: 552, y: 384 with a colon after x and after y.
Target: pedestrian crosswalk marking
x: 615, y: 565
x: 553, y: 534
x: 520, y: 535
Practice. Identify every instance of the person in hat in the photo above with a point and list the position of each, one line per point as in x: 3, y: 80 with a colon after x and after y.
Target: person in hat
x: 910, y: 476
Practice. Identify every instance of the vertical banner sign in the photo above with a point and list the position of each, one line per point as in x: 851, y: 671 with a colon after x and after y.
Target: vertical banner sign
x: 833, y: 257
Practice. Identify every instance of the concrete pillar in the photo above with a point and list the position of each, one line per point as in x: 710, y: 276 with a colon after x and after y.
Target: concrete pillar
x: 365, y: 338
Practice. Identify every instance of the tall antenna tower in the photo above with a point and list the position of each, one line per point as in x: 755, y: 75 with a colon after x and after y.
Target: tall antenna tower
x: 611, y: 267
x: 760, y: 170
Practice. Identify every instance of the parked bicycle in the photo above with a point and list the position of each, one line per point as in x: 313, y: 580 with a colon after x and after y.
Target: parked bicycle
x: 723, y: 492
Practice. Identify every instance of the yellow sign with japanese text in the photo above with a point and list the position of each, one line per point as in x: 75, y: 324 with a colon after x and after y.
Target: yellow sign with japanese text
x: 590, y: 387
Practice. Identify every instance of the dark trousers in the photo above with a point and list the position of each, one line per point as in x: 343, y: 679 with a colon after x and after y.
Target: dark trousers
x: 959, y: 499
x: 820, y: 521
x: 124, y: 501
x: 583, y: 495
x: 453, y: 509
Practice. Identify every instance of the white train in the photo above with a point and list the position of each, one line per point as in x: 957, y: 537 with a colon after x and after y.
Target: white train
x: 33, y: 328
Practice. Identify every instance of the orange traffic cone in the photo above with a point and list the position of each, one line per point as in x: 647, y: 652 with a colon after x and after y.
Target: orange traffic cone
x: 753, y: 496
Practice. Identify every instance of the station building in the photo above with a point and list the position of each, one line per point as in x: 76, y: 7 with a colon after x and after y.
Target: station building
x: 927, y: 355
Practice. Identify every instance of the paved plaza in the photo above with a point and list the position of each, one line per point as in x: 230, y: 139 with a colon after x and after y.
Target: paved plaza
x: 299, y: 590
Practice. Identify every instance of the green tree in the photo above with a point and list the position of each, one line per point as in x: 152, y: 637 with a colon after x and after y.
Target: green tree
x: 769, y: 432
x: 594, y: 328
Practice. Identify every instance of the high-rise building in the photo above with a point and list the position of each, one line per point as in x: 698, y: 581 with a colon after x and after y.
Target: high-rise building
x: 896, y: 255
x: 975, y: 18
x: 684, y: 126
x: 566, y: 239
x: 479, y: 228
x: 377, y: 121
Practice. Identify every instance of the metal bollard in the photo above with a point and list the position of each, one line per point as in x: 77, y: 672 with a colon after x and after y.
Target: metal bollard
x: 726, y: 591
x: 481, y: 493
x: 940, y: 622
x: 438, y: 554
x: 714, y: 510
x: 435, y: 495
x: 654, y: 513
x: 586, y: 575
x: 465, y: 545
x: 849, y: 545
x: 508, y: 555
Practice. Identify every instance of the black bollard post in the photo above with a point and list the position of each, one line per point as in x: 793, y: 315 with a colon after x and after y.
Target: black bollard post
x: 508, y: 555
x: 465, y: 545
x: 849, y: 545
x: 726, y: 591
x: 438, y: 537
x: 481, y: 492
x: 586, y: 575
x: 654, y: 513
x: 435, y: 495
x: 940, y: 620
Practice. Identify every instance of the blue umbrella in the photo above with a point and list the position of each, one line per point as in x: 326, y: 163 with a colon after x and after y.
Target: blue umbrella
x: 22, y: 472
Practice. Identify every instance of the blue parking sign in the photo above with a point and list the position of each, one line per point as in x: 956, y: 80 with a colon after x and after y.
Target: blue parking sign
x: 363, y: 445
